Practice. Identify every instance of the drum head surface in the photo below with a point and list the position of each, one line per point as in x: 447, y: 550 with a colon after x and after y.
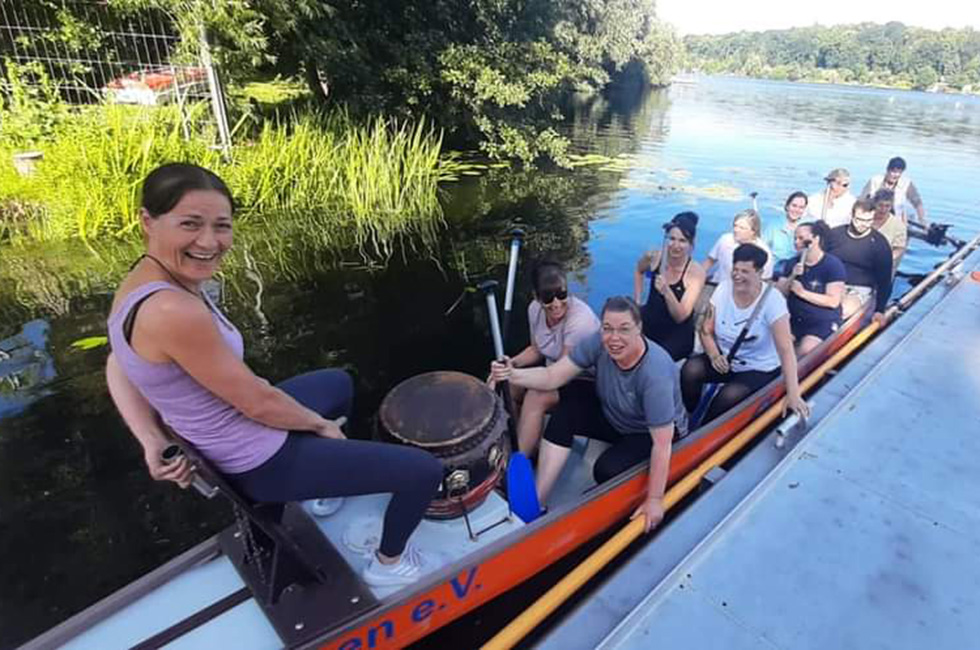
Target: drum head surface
x: 437, y: 408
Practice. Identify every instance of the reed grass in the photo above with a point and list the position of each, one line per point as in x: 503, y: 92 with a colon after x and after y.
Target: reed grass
x: 361, y: 184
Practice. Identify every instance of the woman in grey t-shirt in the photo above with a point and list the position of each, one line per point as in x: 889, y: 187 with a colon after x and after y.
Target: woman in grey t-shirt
x: 635, y: 404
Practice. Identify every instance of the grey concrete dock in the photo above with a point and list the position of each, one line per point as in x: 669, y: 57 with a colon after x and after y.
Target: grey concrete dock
x: 865, y: 535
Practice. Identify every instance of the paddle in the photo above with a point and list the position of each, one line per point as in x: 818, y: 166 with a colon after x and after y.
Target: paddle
x: 521, y: 493
x: 935, y: 234
x: 517, y: 236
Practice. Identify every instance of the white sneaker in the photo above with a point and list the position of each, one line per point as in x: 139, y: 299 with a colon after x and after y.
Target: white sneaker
x: 409, y: 568
x: 325, y: 507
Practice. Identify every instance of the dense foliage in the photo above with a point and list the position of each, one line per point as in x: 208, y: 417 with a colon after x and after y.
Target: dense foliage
x: 891, y: 54
x: 491, y: 72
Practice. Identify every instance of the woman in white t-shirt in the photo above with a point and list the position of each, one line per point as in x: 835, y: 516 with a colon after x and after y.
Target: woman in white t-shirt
x: 557, y: 321
x: 746, y: 229
x: 766, y: 349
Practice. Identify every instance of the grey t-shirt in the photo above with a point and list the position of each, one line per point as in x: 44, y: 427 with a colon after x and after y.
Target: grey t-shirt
x: 647, y: 395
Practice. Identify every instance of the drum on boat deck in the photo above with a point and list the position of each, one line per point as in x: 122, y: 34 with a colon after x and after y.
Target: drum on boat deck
x: 460, y: 421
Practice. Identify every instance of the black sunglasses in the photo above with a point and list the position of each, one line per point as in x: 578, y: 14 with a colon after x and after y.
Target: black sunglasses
x: 548, y: 295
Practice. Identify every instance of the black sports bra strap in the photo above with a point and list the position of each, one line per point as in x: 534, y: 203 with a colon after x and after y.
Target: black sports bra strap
x: 130, y: 320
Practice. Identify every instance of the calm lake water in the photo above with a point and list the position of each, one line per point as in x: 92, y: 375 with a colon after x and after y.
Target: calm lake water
x: 79, y: 516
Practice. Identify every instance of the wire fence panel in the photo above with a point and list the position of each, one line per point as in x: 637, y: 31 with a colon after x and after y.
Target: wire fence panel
x: 96, y: 51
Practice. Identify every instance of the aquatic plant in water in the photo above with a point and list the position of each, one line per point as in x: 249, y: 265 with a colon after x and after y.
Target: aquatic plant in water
x: 361, y: 184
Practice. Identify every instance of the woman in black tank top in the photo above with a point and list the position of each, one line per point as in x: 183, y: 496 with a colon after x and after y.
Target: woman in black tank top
x: 675, y: 283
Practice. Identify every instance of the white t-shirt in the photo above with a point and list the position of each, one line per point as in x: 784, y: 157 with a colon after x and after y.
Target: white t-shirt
x: 838, y: 214
x: 722, y: 253
x: 758, y: 350
x: 905, y: 193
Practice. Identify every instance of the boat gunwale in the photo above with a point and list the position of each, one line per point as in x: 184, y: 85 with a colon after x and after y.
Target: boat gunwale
x: 209, y: 550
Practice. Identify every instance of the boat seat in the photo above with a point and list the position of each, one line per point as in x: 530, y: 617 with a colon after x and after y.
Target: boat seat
x: 295, y: 573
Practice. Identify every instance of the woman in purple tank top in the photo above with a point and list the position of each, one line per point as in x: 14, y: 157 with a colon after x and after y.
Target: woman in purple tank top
x: 176, y: 358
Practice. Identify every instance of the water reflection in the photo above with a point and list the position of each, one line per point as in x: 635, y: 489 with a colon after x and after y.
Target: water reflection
x: 25, y: 368
x: 304, y: 298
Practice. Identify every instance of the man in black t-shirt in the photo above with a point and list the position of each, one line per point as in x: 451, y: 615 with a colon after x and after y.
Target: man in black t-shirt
x: 867, y: 258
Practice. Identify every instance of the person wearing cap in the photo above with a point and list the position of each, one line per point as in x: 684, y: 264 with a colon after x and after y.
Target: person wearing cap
x: 893, y: 227
x: 780, y: 237
x: 905, y: 191
x: 867, y: 259
x: 746, y: 229
x: 676, y: 281
x: 834, y: 204
x: 557, y: 322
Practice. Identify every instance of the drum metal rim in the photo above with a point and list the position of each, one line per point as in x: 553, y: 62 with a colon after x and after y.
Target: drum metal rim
x: 466, y: 440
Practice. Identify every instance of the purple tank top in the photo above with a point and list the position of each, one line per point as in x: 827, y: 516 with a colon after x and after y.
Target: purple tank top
x: 225, y: 436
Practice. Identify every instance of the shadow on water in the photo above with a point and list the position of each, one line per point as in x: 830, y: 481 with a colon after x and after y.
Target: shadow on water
x: 79, y: 517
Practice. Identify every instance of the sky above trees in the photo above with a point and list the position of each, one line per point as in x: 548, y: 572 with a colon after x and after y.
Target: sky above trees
x: 714, y: 17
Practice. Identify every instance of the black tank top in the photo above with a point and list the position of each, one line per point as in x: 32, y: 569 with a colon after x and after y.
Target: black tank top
x: 660, y: 327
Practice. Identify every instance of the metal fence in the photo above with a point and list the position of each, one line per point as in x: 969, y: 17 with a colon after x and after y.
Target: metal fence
x: 94, y: 51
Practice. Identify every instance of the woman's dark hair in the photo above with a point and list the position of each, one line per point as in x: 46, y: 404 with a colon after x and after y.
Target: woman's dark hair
x: 818, y: 229
x: 896, y: 163
x: 166, y: 185
x: 547, y: 274
x: 686, y: 222
x: 882, y: 195
x: 750, y: 253
x: 796, y: 195
x: 622, y: 304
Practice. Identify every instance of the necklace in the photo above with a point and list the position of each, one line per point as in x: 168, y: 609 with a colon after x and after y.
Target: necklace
x: 170, y: 273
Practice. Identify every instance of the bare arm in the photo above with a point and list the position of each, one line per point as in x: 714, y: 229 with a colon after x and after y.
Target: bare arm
x: 787, y: 359
x: 204, y: 355
x: 912, y: 194
x: 707, y: 264
x: 831, y: 299
x: 542, y: 378
x: 529, y: 356
x: 707, y: 333
x: 144, y: 424
x: 653, y: 505
x: 680, y: 310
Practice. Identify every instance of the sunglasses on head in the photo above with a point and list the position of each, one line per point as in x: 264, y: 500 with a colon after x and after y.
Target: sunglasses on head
x: 548, y: 295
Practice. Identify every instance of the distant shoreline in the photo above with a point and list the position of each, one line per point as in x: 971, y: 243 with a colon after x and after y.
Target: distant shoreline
x: 937, y: 89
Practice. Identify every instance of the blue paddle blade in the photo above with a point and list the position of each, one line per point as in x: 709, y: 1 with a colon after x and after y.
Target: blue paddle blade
x: 707, y: 395
x: 521, y: 493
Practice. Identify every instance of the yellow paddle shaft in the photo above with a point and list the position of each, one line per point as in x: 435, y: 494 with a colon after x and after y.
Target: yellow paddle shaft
x: 522, y: 625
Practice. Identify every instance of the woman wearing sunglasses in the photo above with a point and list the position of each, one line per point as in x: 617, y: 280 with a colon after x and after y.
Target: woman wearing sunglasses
x: 675, y: 284
x: 557, y: 322
x: 743, y: 305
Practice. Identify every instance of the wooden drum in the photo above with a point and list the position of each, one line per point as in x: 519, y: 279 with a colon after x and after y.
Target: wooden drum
x: 459, y: 420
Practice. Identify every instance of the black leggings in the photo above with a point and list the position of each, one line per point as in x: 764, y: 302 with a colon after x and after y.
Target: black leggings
x: 579, y: 412
x: 698, y: 371
x: 310, y: 467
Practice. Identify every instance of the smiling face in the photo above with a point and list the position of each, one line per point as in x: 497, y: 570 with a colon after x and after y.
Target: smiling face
x: 555, y: 302
x: 192, y: 237
x: 796, y: 208
x: 745, y: 275
x: 678, y: 246
x: 742, y: 229
x: 621, y: 336
x: 892, y: 175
